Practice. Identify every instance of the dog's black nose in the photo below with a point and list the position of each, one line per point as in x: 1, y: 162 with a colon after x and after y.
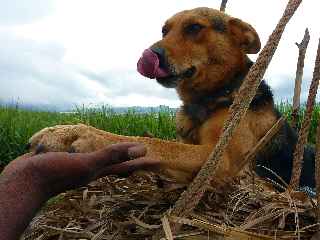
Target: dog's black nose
x: 159, y: 51
x: 161, y: 55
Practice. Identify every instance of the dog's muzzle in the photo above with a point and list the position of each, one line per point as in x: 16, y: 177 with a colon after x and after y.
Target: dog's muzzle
x: 172, y: 80
x: 151, y: 65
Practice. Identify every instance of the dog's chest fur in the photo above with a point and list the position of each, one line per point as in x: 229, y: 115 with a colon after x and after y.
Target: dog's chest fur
x: 277, y: 156
x: 193, y: 115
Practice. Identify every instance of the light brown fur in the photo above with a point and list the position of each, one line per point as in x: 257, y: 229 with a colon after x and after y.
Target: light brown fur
x: 216, y: 56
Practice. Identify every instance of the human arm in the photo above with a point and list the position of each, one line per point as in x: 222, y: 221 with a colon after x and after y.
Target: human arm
x: 29, y: 181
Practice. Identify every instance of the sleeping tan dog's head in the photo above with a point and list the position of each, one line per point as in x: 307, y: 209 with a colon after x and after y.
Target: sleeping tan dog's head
x: 200, y: 50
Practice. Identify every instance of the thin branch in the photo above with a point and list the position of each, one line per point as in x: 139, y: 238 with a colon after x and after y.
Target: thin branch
x: 299, y: 73
x: 303, y: 133
x: 190, y: 198
x: 223, y: 5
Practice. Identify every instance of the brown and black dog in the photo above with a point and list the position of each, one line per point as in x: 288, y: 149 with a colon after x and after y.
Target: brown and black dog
x: 203, y: 55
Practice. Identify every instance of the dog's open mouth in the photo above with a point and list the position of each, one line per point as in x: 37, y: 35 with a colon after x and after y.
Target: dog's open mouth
x: 172, y: 80
x: 150, y: 66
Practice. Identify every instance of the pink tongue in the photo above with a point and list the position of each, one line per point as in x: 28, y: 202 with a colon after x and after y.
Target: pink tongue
x: 148, y: 65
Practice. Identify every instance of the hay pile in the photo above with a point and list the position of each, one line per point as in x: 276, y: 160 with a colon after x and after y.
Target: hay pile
x: 132, y: 208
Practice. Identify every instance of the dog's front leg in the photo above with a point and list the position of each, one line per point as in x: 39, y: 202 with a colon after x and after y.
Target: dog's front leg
x: 178, y: 161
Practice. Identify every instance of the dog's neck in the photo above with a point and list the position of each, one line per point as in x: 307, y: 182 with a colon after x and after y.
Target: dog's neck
x: 205, y: 103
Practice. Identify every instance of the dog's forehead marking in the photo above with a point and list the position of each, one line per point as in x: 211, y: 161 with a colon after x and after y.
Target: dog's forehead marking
x: 218, y: 24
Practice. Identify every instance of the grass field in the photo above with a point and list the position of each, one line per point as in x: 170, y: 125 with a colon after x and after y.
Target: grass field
x: 18, y: 125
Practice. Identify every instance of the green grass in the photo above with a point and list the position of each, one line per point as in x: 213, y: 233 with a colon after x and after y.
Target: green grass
x: 18, y: 125
x: 286, y: 110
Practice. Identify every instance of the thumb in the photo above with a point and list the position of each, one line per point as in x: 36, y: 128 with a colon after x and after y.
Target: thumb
x: 128, y: 167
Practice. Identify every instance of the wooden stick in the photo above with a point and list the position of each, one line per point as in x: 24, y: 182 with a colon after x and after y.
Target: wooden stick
x: 303, y: 133
x: 190, y: 198
x: 299, y: 73
x: 223, y: 5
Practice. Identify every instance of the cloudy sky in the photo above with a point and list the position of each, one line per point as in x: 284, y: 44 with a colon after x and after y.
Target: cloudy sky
x: 67, y: 52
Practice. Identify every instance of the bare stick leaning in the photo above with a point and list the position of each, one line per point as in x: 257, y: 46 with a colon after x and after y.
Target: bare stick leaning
x: 223, y: 5
x: 263, y: 141
x: 190, y: 198
x: 299, y: 73
x: 303, y: 133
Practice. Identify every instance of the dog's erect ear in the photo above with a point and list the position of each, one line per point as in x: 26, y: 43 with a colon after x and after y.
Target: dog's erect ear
x: 245, y: 35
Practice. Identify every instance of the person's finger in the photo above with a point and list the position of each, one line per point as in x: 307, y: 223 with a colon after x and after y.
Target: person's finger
x: 137, y: 151
x: 18, y: 164
x: 117, y: 153
x: 126, y: 168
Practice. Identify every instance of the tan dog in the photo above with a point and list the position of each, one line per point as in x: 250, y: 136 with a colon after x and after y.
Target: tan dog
x: 203, y: 56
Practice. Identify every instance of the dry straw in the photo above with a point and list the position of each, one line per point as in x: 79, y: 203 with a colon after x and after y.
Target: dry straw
x: 132, y: 208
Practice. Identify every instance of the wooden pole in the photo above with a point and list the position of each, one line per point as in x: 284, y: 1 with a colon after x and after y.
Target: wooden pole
x: 299, y: 73
x: 223, y: 5
x: 303, y: 133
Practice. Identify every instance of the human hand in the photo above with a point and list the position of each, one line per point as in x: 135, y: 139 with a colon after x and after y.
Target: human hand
x: 57, y: 172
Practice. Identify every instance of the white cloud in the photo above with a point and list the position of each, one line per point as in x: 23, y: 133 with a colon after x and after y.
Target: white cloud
x: 86, y: 51
x: 34, y: 73
x: 24, y: 11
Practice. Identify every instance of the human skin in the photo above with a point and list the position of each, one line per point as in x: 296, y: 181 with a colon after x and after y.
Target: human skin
x: 30, y: 180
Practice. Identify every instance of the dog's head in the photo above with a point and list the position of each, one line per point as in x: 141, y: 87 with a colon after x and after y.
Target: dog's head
x: 200, y: 50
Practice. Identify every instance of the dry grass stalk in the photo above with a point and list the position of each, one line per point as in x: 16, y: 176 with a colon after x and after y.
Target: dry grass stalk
x: 299, y: 73
x: 234, y: 233
x: 223, y: 5
x: 263, y: 141
x: 132, y: 208
x: 166, y: 228
x: 303, y: 133
x: 190, y: 198
x: 251, y: 156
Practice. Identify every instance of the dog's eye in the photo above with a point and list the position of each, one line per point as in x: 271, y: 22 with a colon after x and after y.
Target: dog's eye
x: 193, y: 29
x: 164, y: 31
